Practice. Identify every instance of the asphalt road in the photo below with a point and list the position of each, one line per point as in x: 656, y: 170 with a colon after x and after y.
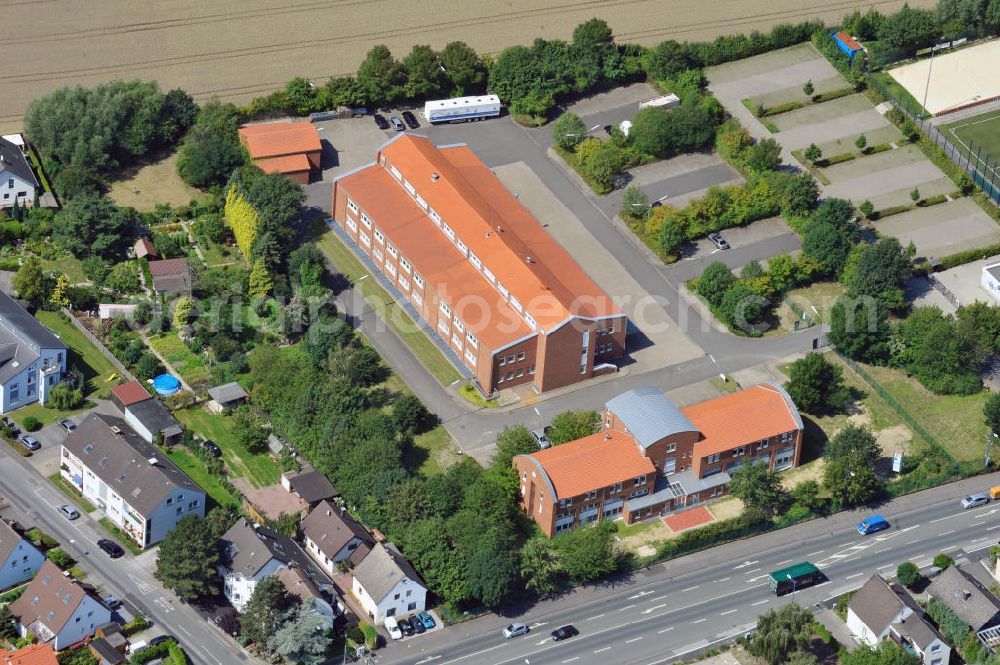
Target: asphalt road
x: 670, y: 610
x: 127, y: 578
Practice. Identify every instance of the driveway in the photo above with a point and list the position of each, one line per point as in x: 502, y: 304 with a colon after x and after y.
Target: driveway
x: 46, y: 460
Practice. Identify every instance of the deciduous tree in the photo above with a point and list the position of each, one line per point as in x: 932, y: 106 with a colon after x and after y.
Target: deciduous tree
x: 424, y: 78
x: 588, y: 554
x: 541, y: 567
x: 463, y: 68
x: 301, y: 638
x: 381, y: 76
x: 264, y: 612
x: 781, y: 633
x: 715, y: 281
x: 568, y: 130
x: 849, y: 474
x: 187, y: 559
x: 758, y: 488
x: 572, y: 425
x: 907, y: 573
x: 816, y: 385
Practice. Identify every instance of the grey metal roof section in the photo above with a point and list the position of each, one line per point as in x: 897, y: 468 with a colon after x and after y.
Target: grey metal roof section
x: 966, y: 597
x: 13, y: 160
x: 25, y: 326
x: 383, y: 569
x: 121, y: 458
x: 788, y: 402
x: 541, y: 474
x: 227, y: 392
x: 153, y: 415
x: 649, y: 415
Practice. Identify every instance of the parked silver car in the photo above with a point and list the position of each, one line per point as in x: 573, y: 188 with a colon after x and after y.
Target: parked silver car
x: 515, y: 629
x: 974, y: 500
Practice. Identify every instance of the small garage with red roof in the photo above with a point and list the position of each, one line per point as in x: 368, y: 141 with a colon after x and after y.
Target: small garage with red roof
x: 288, y: 147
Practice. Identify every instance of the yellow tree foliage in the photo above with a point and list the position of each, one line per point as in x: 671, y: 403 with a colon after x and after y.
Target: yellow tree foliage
x: 59, y: 296
x: 260, y: 281
x: 242, y: 219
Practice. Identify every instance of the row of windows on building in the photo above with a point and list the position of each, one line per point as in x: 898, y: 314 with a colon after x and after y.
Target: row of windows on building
x: 742, y: 450
x: 613, y: 489
x: 463, y: 249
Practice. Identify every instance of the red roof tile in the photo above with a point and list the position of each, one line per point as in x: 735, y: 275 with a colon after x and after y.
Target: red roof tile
x: 274, y: 139
x: 742, y: 417
x: 34, y: 654
x: 287, y: 164
x: 592, y: 462
x: 168, y: 267
x: 131, y: 393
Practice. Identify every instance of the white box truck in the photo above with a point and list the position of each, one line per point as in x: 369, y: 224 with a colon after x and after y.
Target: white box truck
x: 462, y: 109
x: 666, y: 101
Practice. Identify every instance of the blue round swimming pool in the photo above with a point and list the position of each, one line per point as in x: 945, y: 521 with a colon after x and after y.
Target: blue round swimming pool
x: 166, y: 384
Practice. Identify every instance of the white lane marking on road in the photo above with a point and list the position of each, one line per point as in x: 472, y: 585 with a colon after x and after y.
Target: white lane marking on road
x: 753, y: 571
x: 428, y: 659
x: 942, y: 519
x: 978, y: 545
x: 547, y: 639
x: 604, y: 649
x: 884, y: 549
x: 597, y: 616
x: 724, y: 579
x: 634, y: 639
x: 745, y: 564
x: 654, y: 608
x: 727, y: 612
x: 913, y: 542
x: 815, y: 553
x: 947, y: 533
x: 185, y: 630
x: 538, y: 624
x: 690, y: 588
x: 840, y: 547
x: 990, y: 528
x: 949, y: 548
x: 699, y: 620
x: 665, y: 630
x: 653, y: 600
x: 783, y: 562
x: 570, y: 660
x: 641, y: 594
x: 627, y: 607
x: 144, y: 587
x: 854, y: 575
x: 761, y: 602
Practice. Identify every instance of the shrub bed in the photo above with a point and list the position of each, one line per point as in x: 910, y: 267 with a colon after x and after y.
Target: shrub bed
x: 833, y: 94
x: 835, y: 159
x: 890, y: 211
x: 969, y: 255
x: 783, y: 108
x: 932, y: 200
x: 875, y: 149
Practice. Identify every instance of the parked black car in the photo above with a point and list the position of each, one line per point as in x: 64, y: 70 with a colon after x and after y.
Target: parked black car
x: 111, y: 548
x: 212, y: 448
x: 381, y: 121
x: 404, y: 625
x: 410, y: 119
x: 417, y: 625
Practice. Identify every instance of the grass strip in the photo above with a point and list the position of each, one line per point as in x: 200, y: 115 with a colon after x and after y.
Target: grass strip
x: 120, y: 537
x: 71, y: 492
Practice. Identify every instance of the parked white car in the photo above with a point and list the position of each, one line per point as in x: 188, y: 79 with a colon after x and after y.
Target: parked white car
x: 393, y: 627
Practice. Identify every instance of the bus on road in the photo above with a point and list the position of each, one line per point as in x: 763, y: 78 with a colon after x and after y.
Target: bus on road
x: 795, y: 577
x: 462, y: 109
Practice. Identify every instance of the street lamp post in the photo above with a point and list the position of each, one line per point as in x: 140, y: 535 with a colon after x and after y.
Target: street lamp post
x: 928, y: 86
x: 992, y: 436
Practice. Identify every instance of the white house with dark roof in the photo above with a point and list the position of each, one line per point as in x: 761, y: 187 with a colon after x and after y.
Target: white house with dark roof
x: 880, y: 611
x: 19, y: 559
x: 254, y: 553
x: 17, y: 179
x: 332, y: 535
x: 137, y: 487
x: 32, y: 359
x: 387, y: 585
x: 57, y: 609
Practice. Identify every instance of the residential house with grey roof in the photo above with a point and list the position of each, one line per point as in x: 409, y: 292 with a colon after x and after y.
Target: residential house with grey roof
x: 136, y: 486
x: 971, y: 601
x: 387, y: 585
x: 17, y: 179
x: 882, y: 611
x: 19, y: 559
x: 253, y: 553
x: 32, y: 359
x: 55, y: 608
x: 332, y: 535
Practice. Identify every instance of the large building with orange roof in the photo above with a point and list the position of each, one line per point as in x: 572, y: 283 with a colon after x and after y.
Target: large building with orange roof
x: 292, y: 148
x: 510, y: 302
x: 651, y: 458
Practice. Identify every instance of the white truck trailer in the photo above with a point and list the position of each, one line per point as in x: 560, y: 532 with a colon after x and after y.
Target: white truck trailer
x: 666, y: 101
x: 462, y: 109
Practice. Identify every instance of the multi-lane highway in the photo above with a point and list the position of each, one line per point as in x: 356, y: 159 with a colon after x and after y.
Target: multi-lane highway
x: 671, y: 610
x: 129, y: 577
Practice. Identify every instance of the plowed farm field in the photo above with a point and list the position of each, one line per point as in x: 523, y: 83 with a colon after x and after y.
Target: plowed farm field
x: 238, y: 49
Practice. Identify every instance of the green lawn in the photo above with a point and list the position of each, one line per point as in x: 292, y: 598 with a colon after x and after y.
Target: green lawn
x: 420, y: 345
x: 45, y: 415
x: 258, y: 468
x: 71, y: 492
x: 432, y: 452
x: 188, y: 365
x: 193, y: 467
x: 69, y: 265
x: 84, y: 356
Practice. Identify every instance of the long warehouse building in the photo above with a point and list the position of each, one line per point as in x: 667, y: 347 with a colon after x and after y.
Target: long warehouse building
x: 478, y: 267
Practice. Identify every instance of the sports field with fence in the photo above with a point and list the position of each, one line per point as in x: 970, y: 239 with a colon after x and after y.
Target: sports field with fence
x: 978, y: 138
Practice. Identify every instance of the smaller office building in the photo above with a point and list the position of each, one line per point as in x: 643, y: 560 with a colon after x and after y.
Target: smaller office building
x: 989, y: 279
x: 288, y: 147
x: 142, y: 492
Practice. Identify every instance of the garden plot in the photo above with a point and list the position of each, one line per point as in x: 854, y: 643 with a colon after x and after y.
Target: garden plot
x: 832, y: 111
x: 943, y: 229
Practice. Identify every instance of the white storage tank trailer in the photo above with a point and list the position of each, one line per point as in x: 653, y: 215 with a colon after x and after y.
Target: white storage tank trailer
x: 462, y: 109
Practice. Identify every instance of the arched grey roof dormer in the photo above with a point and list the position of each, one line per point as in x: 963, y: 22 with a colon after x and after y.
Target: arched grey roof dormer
x: 649, y: 415
x: 541, y: 472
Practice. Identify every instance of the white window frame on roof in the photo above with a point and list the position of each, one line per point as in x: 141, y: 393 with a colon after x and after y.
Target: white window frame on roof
x: 352, y: 206
x: 503, y: 290
x: 459, y: 326
x: 420, y: 201
x: 530, y: 321
x: 393, y: 252
x: 418, y: 280
x: 404, y: 264
x: 379, y: 238
x: 366, y: 220
x: 410, y: 188
x: 490, y: 277
x: 395, y: 172
x: 448, y: 231
x: 474, y: 260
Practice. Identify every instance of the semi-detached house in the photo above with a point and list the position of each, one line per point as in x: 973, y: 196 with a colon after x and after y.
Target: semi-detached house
x: 55, y: 608
x: 32, y: 359
x: 650, y: 457
x: 479, y: 268
x: 19, y: 559
x: 128, y: 479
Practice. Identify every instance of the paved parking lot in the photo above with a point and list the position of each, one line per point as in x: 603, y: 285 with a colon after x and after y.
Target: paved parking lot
x: 46, y: 460
x: 963, y: 282
x: 943, y: 229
